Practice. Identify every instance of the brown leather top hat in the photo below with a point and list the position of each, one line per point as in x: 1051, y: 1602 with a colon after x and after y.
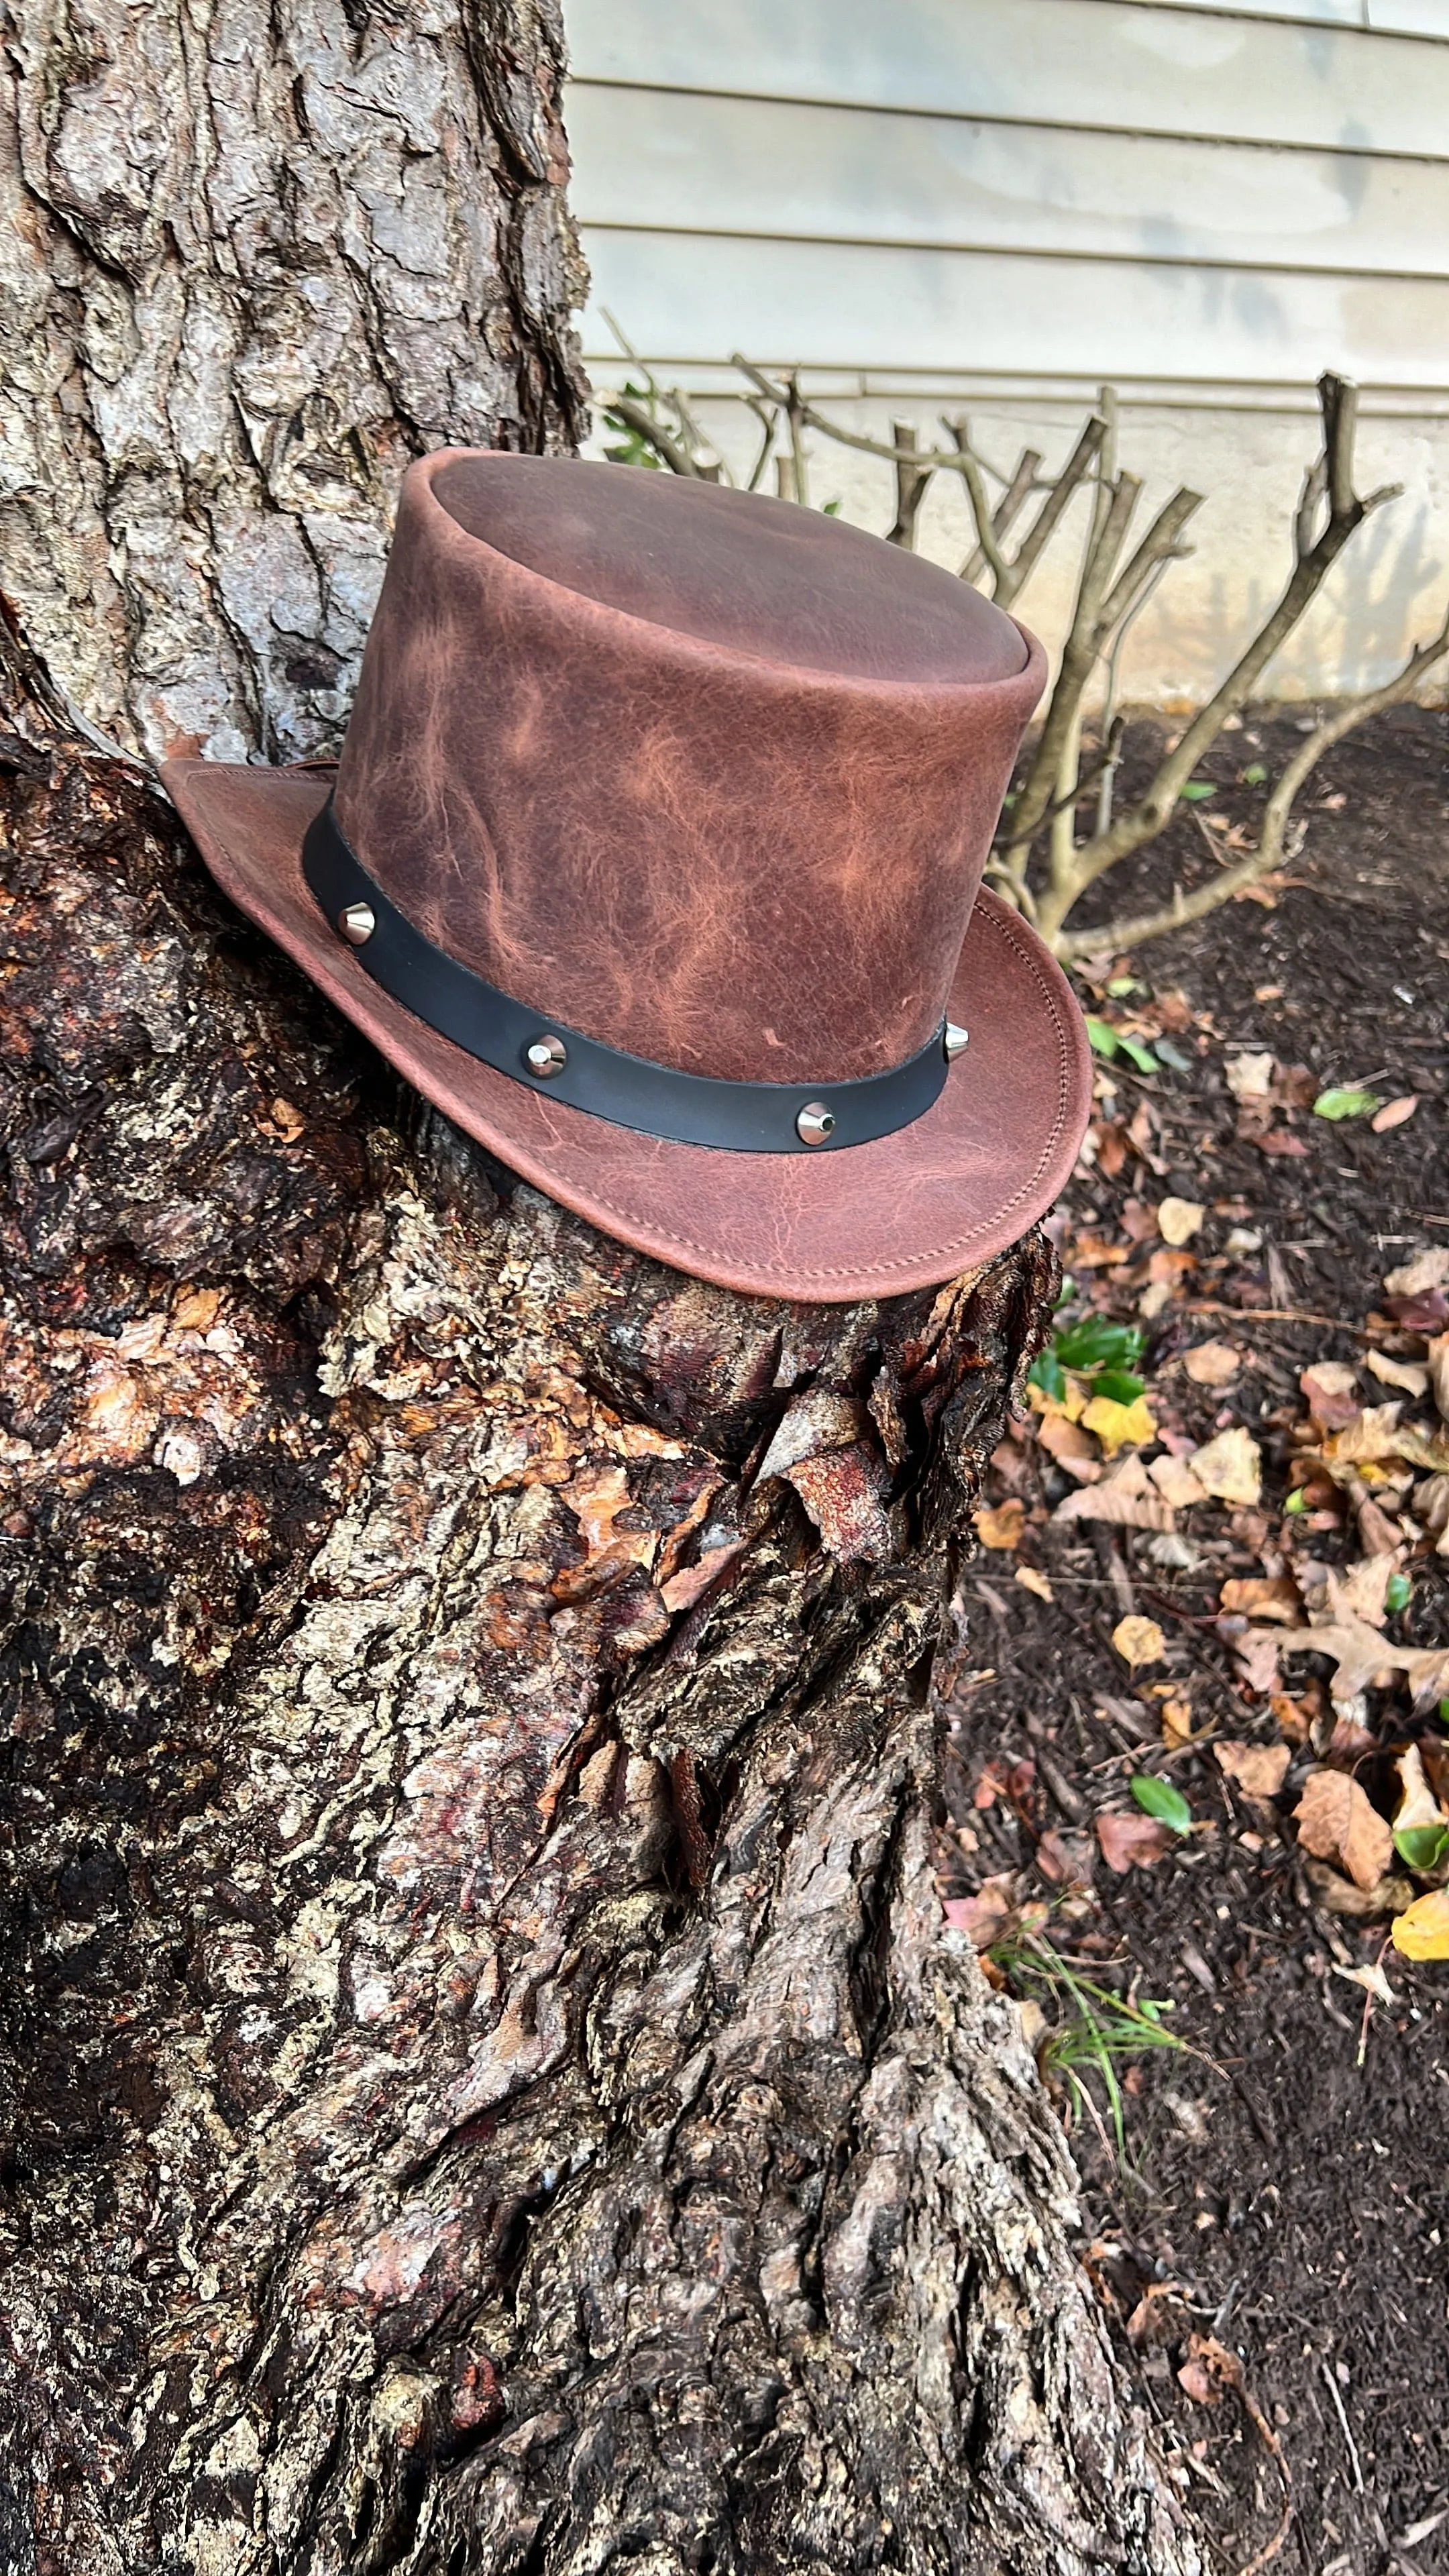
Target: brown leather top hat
x: 653, y: 858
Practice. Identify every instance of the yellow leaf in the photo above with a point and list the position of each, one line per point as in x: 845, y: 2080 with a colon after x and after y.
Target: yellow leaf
x: 1118, y: 1425
x: 1070, y: 1406
x: 1422, y: 1930
x: 1002, y: 1527
x: 1139, y: 1641
x: 1178, y: 1220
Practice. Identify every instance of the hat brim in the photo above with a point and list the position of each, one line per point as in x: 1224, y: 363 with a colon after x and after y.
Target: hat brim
x: 904, y: 1212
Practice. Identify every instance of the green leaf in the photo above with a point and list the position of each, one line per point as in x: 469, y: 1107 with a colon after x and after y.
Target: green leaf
x: 1068, y: 1291
x: 1422, y: 1846
x: 1399, y: 1592
x: 1142, y: 1056
x: 1254, y: 774
x: 1298, y: 1500
x: 831, y: 507
x: 1121, y: 985
x: 1159, y: 1798
x: 1095, y: 1341
x: 1119, y: 1385
x: 1196, y: 789
x: 1048, y: 1374
x: 1174, y: 1056
x: 1105, y: 1040
x: 1443, y: 1712
x: 1346, y: 1102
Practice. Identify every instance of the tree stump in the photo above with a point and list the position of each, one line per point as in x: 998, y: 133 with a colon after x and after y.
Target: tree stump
x: 491, y: 2089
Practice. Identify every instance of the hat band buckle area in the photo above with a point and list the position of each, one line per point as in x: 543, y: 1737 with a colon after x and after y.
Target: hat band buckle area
x: 626, y: 1090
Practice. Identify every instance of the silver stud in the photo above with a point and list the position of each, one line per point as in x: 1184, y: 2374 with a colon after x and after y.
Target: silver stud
x: 956, y: 1040
x: 546, y: 1057
x: 815, y: 1124
x: 357, y: 922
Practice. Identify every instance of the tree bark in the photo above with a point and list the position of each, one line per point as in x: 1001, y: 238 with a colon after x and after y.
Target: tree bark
x: 252, y: 259
x: 489, y: 2088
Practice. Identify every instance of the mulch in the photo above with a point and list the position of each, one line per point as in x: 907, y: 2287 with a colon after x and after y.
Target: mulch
x: 1276, y: 2211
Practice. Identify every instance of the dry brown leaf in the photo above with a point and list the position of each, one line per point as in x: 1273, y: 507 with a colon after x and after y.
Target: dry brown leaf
x: 1425, y: 1271
x: 1108, y: 1503
x: 1338, y: 1895
x: 1336, y: 1822
x: 1262, y: 1596
x: 1256, y: 1655
x: 1407, y: 1375
x: 1001, y: 1527
x: 1330, y: 1390
x: 1071, y: 1446
x: 1373, y: 1437
x: 1259, y: 1769
x: 1359, y: 1652
x: 1131, y: 1841
x: 1231, y: 1467
x: 1249, y: 1075
x: 1178, y: 1220
x: 1363, y: 1590
x: 1394, y: 1113
x: 992, y: 1913
x: 1212, y: 1363
x: 1035, y: 1582
x: 1138, y: 1640
x: 1176, y: 1483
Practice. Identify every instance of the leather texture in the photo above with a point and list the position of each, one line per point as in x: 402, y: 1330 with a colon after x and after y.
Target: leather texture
x: 698, y: 849
x: 712, y: 780
x: 911, y: 1209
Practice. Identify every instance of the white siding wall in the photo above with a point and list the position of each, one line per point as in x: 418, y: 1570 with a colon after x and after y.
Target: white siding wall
x: 1002, y: 202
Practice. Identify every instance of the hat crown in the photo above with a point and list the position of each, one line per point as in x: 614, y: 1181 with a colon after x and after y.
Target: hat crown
x: 705, y: 776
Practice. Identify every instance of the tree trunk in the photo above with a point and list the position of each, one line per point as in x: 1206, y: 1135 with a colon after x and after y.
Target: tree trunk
x: 252, y: 259
x: 490, y: 2088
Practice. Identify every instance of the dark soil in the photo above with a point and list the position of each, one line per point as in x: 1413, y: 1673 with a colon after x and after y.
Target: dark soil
x: 1298, y: 2203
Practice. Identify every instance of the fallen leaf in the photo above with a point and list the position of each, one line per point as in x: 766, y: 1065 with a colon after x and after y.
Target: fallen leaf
x: 1367, y: 1441
x: 1002, y: 1527
x: 1116, y: 1424
x: 989, y: 1915
x: 1249, y: 1076
x: 1131, y: 1841
x: 1231, y: 1467
x: 1071, y: 1446
x: 1336, y: 1822
x: 1426, y: 1271
x: 1338, y: 1895
x: 1176, y: 1724
x: 1346, y: 1100
x: 1035, y: 1582
x: 1209, y: 2369
x: 1262, y: 1596
x: 1363, y: 1590
x: 1065, y: 1859
x: 1212, y: 1363
x: 1359, y: 1653
x: 1178, y: 1220
x: 1330, y: 1390
x: 1108, y: 1503
x: 1417, y: 1802
x: 1422, y: 1930
x: 1438, y: 1357
x: 1372, y: 1980
x: 1394, y: 1113
x: 1068, y: 1406
x: 1256, y: 1656
x: 1163, y: 1800
x: 1407, y: 1375
x: 1138, y: 1641
x: 1259, y: 1769
x: 1176, y: 1482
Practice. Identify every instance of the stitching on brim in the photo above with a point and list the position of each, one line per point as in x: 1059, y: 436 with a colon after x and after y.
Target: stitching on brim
x: 1006, y: 927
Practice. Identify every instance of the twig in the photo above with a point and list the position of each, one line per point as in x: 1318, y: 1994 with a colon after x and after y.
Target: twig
x: 1331, y: 2384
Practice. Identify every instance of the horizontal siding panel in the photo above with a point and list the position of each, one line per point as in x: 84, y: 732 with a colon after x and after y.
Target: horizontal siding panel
x: 1106, y: 63
x: 666, y: 160
x: 689, y: 300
